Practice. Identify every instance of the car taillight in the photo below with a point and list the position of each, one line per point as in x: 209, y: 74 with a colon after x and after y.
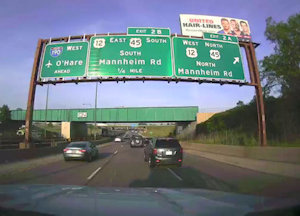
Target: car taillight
x: 179, y: 160
x: 154, y: 151
x: 82, y: 150
x: 66, y: 149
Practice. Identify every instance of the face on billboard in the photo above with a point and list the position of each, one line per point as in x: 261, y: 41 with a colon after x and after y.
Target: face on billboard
x: 232, y: 24
x: 245, y: 28
x: 225, y: 24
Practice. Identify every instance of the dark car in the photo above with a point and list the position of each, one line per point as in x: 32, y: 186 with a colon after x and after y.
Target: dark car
x: 163, y: 151
x: 136, y: 141
x: 80, y: 150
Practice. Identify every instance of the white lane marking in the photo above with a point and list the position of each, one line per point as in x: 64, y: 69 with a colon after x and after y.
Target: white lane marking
x: 99, y: 168
x: 177, y: 176
x: 94, y: 173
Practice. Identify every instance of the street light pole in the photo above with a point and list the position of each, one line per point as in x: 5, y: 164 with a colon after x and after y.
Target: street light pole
x: 46, y: 109
x: 95, y: 112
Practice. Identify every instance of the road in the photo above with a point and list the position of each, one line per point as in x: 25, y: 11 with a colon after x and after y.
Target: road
x: 118, y: 165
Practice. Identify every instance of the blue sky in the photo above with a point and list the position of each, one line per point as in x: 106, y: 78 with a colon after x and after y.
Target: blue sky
x: 23, y: 22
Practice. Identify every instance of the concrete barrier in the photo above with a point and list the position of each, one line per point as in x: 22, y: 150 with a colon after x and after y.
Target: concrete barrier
x: 275, y: 154
x: 14, y: 155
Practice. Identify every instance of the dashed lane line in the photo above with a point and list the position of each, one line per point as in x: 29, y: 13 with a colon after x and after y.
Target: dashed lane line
x: 99, y: 168
x: 94, y: 173
x: 174, y: 174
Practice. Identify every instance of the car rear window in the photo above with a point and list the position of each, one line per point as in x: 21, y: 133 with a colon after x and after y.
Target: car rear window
x: 78, y: 145
x: 167, y: 143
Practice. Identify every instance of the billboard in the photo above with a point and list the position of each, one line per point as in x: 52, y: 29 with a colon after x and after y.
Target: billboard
x: 195, y: 25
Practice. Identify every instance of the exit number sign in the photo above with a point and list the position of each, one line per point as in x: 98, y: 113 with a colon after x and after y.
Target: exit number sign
x: 148, y: 31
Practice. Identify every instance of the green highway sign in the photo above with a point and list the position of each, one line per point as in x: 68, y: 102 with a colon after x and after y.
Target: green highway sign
x: 64, y: 60
x: 220, y: 37
x: 124, y: 55
x: 207, y: 59
x: 148, y: 31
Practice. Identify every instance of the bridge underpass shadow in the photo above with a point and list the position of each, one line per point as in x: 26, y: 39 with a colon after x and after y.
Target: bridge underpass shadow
x: 161, y: 177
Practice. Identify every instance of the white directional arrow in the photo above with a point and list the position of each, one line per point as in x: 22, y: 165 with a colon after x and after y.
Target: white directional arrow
x: 236, y: 60
x: 48, y: 64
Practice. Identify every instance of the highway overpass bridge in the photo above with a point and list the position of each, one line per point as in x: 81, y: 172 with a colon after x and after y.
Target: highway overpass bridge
x: 112, y: 115
x: 74, y: 120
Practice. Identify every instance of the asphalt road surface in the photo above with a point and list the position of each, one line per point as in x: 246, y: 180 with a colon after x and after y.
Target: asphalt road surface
x: 118, y: 165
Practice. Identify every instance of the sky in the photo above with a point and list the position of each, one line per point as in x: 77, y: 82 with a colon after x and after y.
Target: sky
x: 22, y: 23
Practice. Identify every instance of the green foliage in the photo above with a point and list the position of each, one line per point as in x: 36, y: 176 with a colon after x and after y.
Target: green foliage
x: 5, y: 114
x: 240, y: 103
x: 282, y: 67
x: 160, y: 131
x: 240, y: 123
x: 227, y: 137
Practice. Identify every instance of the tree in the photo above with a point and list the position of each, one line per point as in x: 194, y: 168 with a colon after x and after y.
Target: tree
x: 4, y: 114
x: 281, y: 69
x: 240, y: 103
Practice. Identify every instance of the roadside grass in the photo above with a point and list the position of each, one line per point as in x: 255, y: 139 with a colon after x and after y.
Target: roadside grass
x: 160, y: 131
x: 236, y: 138
x: 49, y: 127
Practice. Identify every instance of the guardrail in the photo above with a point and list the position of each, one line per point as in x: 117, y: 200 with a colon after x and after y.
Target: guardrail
x: 14, y: 155
x: 9, y: 146
x: 13, y: 145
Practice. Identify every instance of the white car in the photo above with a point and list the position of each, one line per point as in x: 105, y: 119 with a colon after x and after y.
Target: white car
x: 118, y: 139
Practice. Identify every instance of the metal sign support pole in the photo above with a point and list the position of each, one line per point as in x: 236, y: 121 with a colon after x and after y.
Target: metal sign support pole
x: 95, y: 113
x: 259, y: 99
x: 46, y: 110
x: 254, y: 74
x: 253, y: 70
x: 31, y: 95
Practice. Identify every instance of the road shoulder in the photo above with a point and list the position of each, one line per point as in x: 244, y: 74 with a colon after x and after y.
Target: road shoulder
x: 270, y: 167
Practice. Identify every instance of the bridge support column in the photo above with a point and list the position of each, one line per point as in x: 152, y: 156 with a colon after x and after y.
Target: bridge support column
x: 180, y: 126
x: 74, y: 130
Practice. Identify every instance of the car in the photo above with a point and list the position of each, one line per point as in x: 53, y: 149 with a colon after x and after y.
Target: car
x: 163, y: 151
x: 136, y: 141
x: 118, y: 139
x: 82, y: 150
